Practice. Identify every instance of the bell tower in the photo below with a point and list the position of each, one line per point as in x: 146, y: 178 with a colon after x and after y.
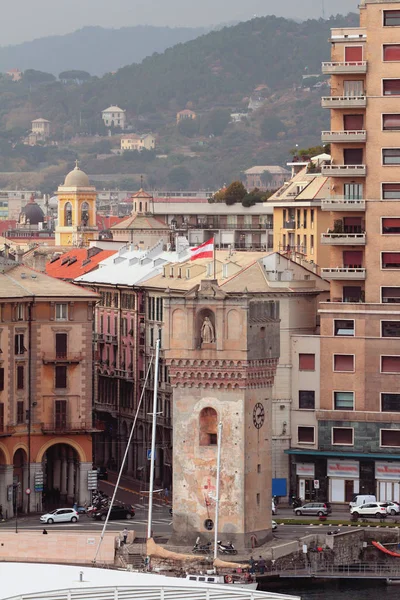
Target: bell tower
x: 76, y: 210
x: 222, y: 350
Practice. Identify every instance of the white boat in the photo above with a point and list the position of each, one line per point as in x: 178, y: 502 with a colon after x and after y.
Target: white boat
x: 231, y: 579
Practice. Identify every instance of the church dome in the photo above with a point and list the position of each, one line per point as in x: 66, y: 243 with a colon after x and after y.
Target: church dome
x: 77, y: 178
x: 33, y: 212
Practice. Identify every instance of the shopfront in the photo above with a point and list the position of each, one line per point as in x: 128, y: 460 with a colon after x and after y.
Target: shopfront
x: 305, y: 473
x: 387, y: 477
x: 344, y: 479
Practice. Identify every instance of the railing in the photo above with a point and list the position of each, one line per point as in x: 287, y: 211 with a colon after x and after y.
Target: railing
x: 344, y: 273
x: 342, y: 204
x: 343, y: 238
x: 356, y: 135
x: 63, y: 357
x: 344, y: 67
x: 289, y: 225
x: 351, y: 570
x: 344, y: 170
x: 348, y: 33
x: 229, y: 226
x: 67, y: 427
x: 343, y: 101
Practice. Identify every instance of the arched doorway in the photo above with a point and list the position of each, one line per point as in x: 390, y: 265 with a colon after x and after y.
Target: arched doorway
x: 20, y: 479
x: 61, y: 466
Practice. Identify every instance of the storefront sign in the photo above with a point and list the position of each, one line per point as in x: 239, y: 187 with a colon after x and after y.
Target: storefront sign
x: 346, y: 469
x: 305, y: 470
x: 387, y: 471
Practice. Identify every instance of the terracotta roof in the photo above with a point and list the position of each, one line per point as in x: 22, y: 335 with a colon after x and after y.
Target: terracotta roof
x: 76, y: 262
x: 23, y: 282
x: 141, y: 194
x: 104, y: 223
x: 141, y: 222
x: 6, y: 225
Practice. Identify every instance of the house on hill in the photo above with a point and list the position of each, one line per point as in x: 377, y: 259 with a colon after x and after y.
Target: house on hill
x: 114, y: 116
x: 269, y: 177
x: 137, y: 142
x: 185, y: 114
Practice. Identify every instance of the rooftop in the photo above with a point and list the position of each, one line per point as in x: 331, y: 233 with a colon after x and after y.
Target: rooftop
x: 76, y: 262
x: 113, y: 109
x: 273, y: 169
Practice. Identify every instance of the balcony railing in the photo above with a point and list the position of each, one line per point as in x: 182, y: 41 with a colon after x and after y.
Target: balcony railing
x: 347, y: 273
x: 339, y: 68
x: 342, y: 204
x: 346, y: 239
x: 344, y: 136
x: 289, y: 225
x: 111, y: 339
x: 344, y: 101
x: 344, y: 170
x: 67, y: 427
x: 230, y: 226
x: 348, y: 34
x: 62, y: 357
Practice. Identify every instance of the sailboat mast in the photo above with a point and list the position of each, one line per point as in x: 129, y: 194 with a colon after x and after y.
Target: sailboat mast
x: 217, y: 490
x: 153, y: 441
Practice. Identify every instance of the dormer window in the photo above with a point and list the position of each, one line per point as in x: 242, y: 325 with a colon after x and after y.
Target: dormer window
x: 164, y: 272
x: 187, y: 273
x: 171, y: 271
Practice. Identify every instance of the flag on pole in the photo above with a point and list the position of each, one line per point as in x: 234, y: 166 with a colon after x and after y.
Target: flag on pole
x: 205, y: 250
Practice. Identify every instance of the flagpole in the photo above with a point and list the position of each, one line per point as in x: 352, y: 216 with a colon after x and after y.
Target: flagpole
x: 214, y: 259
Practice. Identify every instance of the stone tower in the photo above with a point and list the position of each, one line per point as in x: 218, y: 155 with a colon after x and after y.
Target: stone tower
x: 222, y: 350
x: 76, y: 210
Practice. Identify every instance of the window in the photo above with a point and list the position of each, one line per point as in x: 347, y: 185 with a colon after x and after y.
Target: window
x: 1, y: 416
x: 342, y: 435
x: 390, y: 260
x: 390, y: 364
x: 391, y: 225
x: 343, y: 362
x: 390, y: 437
x: 306, y: 399
x: 353, y: 122
x: 391, y: 122
x: 60, y: 414
x: 352, y: 259
x: 343, y: 400
x: 208, y: 427
x: 305, y: 219
x: 390, y: 402
x: 20, y: 312
x: 353, y: 191
x: 391, y: 156
x: 344, y: 327
x: 352, y: 293
x: 20, y: 377
x: 61, y: 312
x: 1, y: 379
x: 311, y: 244
x: 391, y: 18
x: 391, y: 191
x: 151, y: 337
x: 353, y: 53
x: 108, y: 324
x: 353, y: 156
x: 19, y: 347
x: 61, y: 345
x: 391, y: 295
x: 20, y: 412
x: 307, y: 362
x: 124, y: 324
x: 305, y: 435
x: 391, y: 329
x: 353, y: 88
x: 61, y: 377
x: 391, y: 87
x: 391, y: 52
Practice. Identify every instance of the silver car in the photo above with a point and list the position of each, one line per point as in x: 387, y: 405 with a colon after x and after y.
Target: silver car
x: 312, y: 508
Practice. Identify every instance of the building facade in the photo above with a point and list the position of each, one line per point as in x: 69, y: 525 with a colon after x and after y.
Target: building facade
x: 136, y: 142
x: 114, y: 116
x: 265, y: 178
x: 46, y: 421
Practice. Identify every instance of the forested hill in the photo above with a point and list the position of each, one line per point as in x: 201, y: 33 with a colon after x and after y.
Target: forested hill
x: 97, y: 50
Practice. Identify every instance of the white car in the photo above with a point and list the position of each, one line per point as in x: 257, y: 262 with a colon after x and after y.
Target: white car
x: 392, y: 508
x: 372, y: 509
x: 274, y: 525
x: 61, y: 515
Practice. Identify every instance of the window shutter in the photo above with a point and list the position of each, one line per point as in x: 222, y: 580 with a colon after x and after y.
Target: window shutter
x: 391, y: 122
x: 391, y: 52
x: 390, y: 364
x: 344, y: 362
x: 352, y: 258
x: 353, y: 122
x: 353, y: 54
x: 307, y: 362
x: 391, y: 87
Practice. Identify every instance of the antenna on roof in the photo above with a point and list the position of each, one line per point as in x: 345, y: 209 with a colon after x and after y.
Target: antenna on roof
x: 141, y: 182
x: 323, y: 9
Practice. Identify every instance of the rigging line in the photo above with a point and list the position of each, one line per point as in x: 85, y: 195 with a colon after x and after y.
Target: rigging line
x: 122, y: 465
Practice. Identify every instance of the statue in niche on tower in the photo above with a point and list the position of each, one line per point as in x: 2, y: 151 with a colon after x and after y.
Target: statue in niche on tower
x: 207, y: 332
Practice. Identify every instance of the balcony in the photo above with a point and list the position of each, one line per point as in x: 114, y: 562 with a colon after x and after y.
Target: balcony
x: 62, y: 357
x: 346, y: 273
x: 289, y: 225
x: 344, y: 136
x: 344, y: 68
x: 344, y: 170
x: 111, y: 339
x: 342, y: 204
x: 348, y: 34
x: 343, y: 239
x: 227, y: 226
x: 344, y: 102
x: 66, y: 427
x: 7, y: 430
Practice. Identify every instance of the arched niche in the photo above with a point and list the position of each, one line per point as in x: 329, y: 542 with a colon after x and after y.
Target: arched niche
x: 208, y: 427
x: 68, y: 214
x: 85, y: 213
x: 201, y: 318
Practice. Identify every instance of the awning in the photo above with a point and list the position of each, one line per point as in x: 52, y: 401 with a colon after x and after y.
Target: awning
x: 340, y: 453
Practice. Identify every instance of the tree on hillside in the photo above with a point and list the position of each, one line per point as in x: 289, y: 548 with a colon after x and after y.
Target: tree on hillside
x: 271, y: 127
x: 235, y: 192
x: 188, y: 127
x: 216, y: 121
x: 179, y: 177
x: 33, y: 76
x: 74, y: 76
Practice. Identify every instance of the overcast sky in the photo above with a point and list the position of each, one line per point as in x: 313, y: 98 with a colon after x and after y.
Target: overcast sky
x: 23, y: 20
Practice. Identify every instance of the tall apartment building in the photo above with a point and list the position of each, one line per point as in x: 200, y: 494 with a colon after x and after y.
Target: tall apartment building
x: 354, y: 444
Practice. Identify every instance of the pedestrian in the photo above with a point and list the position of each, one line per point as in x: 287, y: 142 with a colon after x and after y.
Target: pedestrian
x: 166, y: 494
x: 124, y: 535
x: 261, y: 565
x: 252, y: 563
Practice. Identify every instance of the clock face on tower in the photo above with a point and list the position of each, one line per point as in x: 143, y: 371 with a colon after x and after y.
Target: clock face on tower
x: 258, y: 415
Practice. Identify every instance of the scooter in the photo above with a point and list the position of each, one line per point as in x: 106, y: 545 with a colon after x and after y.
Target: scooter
x: 296, y: 502
x: 201, y: 548
x: 228, y: 548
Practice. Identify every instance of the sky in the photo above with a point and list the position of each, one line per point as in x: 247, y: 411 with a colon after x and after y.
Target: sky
x: 23, y: 20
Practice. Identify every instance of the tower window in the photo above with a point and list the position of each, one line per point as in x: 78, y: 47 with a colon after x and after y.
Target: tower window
x: 208, y: 427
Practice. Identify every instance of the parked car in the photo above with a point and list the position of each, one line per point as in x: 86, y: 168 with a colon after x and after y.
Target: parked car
x: 360, y: 499
x: 102, y: 473
x: 60, y: 515
x: 117, y: 512
x: 373, y: 509
x: 274, y: 509
x: 392, y: 508
x: 274, y: 525
x: 313, y: 508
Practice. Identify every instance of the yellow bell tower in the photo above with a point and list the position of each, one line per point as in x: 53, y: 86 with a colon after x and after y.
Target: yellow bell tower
x: 76, y: 210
